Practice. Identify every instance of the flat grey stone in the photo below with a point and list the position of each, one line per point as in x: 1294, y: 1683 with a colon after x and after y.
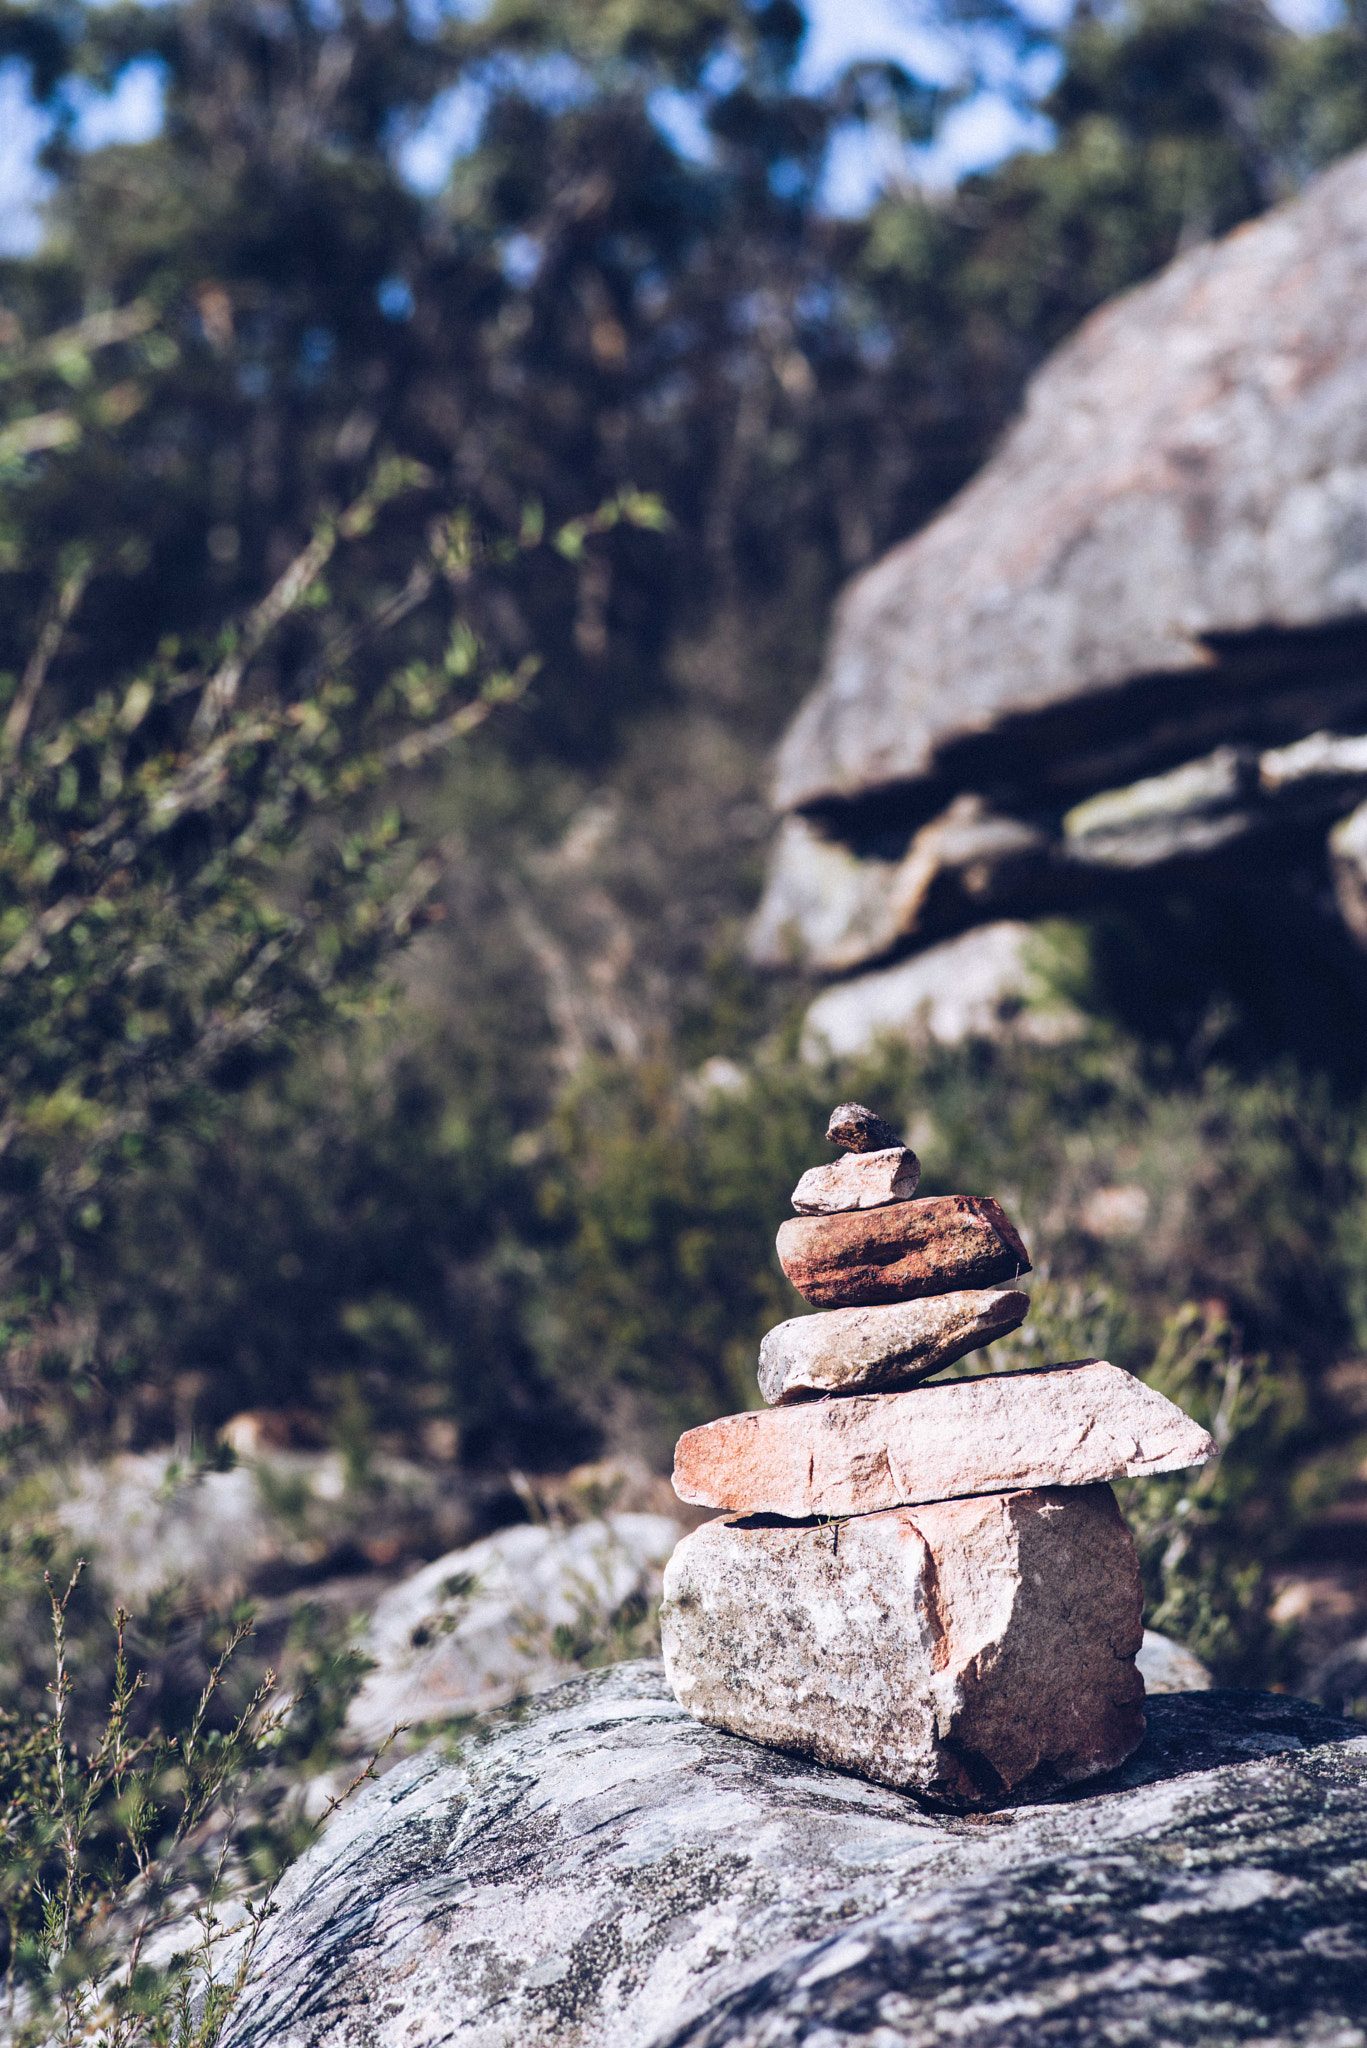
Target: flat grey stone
x: 607, y: 1873
x: 874, y: 1350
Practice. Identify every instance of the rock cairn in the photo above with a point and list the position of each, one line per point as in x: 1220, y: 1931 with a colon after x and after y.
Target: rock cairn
x: 931, y: 1586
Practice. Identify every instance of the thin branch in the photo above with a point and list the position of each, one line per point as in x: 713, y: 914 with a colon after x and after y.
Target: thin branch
x: 416, y: 746
x: 221, y: 690
x: 68, y: 596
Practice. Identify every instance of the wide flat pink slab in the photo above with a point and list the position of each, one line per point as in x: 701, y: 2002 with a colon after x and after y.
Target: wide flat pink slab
x: 1063, y: 1425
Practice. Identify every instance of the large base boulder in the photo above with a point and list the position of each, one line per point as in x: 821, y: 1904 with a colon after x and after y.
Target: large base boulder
x: 605, y: 1872
x: 963, y: 1650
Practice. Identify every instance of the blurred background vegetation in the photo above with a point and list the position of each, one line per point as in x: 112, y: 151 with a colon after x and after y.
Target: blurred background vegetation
x: 401, y: 593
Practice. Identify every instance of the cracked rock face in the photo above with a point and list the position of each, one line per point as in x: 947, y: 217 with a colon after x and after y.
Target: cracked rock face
x: 962, y: 1650
x: 605, y: 1872
x: 1072, y: 1425
x: 1132, y: 649
x: 868, y: 1350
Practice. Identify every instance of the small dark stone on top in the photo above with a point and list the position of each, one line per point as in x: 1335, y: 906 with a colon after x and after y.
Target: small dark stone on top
x: 856, y: 1129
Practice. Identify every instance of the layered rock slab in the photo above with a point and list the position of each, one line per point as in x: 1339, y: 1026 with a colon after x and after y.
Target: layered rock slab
x: 964, y: 1650
x: 862, y: 1180
x: 1073, y: 1425
x: 1189, y: 468
x: 609, y: 1872
x: 897, y: 1253
x: 863, y: 1350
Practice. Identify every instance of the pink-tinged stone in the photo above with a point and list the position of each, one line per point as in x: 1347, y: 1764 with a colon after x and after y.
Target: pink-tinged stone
x: 1062, y: 1425
x: 968, y: 1650
x: 901, y: 1251
x: 861, y: 1180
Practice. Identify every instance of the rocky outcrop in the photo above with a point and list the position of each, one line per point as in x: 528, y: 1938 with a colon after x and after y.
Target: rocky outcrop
x: 1136, y: 644
x: 606, y: 1872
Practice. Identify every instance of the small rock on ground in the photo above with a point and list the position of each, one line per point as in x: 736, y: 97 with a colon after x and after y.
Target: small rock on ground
x: 1166, y: 1666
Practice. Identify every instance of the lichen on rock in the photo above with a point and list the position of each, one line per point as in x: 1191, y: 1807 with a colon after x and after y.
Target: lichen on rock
x: 605, y: 1872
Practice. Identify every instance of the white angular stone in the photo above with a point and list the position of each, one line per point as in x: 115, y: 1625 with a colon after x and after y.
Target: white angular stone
x: 983, y: 984
x: 861, y: 1180
x: 868, y: 1350
x: 964, y: 1650
x: 1166, y: 1666
x: 477, y: 1628
x: 1061, y: 1425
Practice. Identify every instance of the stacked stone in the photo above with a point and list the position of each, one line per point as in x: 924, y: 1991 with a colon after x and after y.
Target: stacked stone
x: 931, y: 1586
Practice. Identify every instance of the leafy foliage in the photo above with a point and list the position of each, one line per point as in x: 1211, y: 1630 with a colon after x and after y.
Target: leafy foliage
x: 102, y: 1848
x: 171, y: 912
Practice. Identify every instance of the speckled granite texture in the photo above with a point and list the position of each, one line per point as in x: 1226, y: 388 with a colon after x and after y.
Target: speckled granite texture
x: 604, y: 1872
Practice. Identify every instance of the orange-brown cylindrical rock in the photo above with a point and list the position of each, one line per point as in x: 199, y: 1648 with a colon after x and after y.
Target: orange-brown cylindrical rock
x: 900, y: 1252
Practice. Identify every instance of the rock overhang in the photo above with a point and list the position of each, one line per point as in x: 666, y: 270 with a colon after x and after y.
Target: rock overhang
x: 1162, y: 573
x: 1183, y: 499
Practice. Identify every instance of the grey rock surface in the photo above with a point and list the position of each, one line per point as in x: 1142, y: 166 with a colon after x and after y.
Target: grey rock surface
x: 605, y: 1872
x: 965, y: 1650
x: 1191, y: 465
x: 983, y: 984
x: 479, y: 1626
x: 868, y: 1350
